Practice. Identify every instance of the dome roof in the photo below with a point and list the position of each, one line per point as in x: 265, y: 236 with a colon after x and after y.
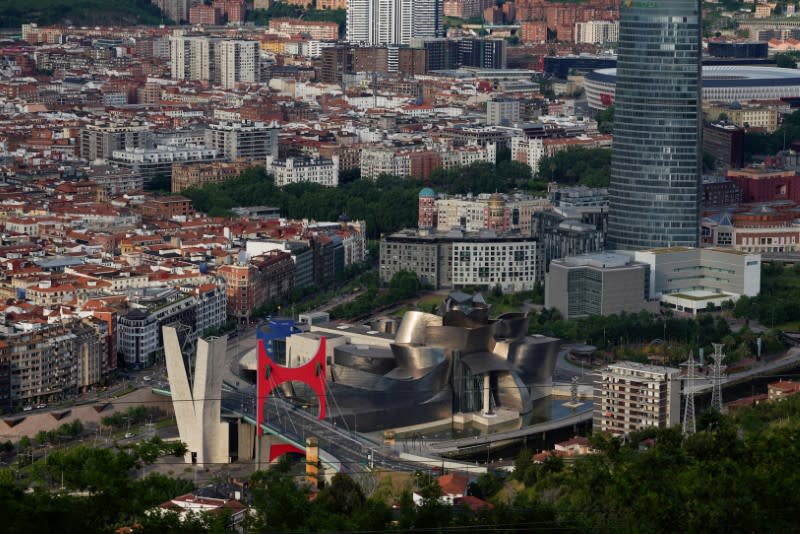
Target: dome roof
x: 427, y: 192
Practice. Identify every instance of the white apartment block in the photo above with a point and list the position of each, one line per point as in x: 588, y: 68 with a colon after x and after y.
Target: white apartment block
x: 387, y: 22
x: 238, y: 62
x: 526, y: 150
x: 377, y: 161
x: 193, y: 57
x: 630, y: 396
x: 301, y: 170
x: 597, y: 32
x: 467, y: 155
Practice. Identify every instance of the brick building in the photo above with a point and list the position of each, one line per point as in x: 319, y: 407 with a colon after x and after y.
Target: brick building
x: 186, y: 175
x: 167, y: 207
x: 764, y: 185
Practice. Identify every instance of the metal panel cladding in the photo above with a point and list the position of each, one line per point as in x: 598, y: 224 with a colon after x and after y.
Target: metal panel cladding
x: 656, y: 159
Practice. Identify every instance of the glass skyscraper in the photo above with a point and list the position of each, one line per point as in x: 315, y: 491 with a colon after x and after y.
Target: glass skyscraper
x: 656, y: 158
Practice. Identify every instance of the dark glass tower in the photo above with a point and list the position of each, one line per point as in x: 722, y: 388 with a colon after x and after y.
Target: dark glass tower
x: 654, y: 195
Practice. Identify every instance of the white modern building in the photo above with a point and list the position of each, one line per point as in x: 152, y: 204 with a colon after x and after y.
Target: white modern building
x: 393, y: 22
x: 630, y: 396
x: 689, y: 279
x: 301, y: 170
x: 149, y: 162
x: 510, y: 265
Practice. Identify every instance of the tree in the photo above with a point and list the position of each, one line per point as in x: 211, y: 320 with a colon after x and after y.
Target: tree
x: 341, y: 496
x: 785, y: 61
x: 605, y: 120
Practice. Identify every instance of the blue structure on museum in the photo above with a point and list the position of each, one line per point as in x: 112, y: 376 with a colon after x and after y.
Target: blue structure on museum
x: 654, y: 192
x: 274, y: 335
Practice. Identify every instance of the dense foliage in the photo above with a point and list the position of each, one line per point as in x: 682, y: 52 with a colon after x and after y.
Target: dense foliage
x: 386, y: 204
x: 403, y: 285
x: 776, y: 305
x: 79, y: 12
x: 759, y: 144
x: 605, y: 120
x: 638, y: 336
x: 737, y: 474
x: 109, y: 496
x: 585, y: 166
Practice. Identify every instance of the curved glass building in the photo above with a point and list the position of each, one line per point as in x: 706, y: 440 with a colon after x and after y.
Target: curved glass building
x: 656, y: 154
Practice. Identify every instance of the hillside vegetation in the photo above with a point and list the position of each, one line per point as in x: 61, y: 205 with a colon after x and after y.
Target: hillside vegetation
x: 78, y: 12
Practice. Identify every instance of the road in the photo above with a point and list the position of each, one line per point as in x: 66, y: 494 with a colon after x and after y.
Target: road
x: 285, y: 419
x: 790, y: 359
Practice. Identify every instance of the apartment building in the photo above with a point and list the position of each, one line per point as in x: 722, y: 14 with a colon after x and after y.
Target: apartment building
x: 188, y: 175
x: 458, y: 259
x: 99, y: 140
x: 49, y: 363
x: 139, y: 340
x: 245, y: 140
x: 630, y: 396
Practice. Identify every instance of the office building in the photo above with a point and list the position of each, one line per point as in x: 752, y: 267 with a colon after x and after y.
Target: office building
x: 631, y: 396
x: 598, y: 284
x: 656, y: 155
x: 393, y: 22
x: 245, y: 140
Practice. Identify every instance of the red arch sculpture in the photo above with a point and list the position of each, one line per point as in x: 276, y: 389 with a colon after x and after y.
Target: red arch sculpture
x: 280, y: 449
x: 272, y: 375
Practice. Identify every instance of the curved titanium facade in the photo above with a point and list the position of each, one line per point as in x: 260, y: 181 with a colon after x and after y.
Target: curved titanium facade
x: 655, y: 161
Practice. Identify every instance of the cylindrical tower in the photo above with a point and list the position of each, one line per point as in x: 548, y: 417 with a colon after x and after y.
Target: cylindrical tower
x: 654, y: 192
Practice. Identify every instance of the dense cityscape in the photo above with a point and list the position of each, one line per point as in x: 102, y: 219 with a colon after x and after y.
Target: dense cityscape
x: 375, y: 265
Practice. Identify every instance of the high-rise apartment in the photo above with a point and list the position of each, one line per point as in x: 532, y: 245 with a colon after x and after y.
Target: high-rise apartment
x: 656, y: 161
x: 376, y: 22
x: 238, y: 62
x: 193, y: 57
